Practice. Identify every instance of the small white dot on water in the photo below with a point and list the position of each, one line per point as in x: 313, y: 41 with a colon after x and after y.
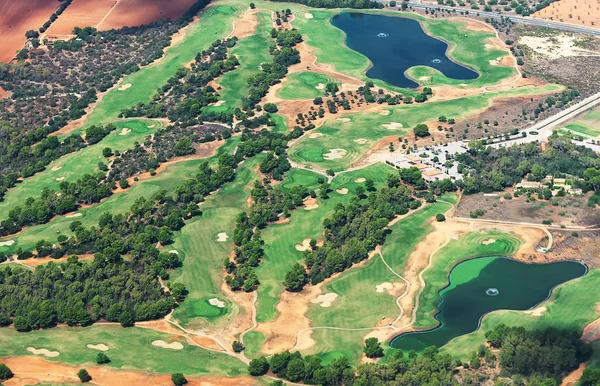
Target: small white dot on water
x: 383, y: 35
x: 492, y: 291
x: 436, y: 61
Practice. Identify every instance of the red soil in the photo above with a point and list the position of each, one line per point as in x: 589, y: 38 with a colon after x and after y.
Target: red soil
x: 16, y: 18
x: 108, y: 14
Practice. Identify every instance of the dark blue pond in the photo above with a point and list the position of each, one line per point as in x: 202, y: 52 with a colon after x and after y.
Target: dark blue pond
x: 394, y: 44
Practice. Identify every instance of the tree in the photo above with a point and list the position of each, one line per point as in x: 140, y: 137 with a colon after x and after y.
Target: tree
x: 123, y: 183
x: 5, y: 372
x: 296, y: 278
x: 102, y: 358
x: 270, y: 107
x: 592, y: 177
x: 360, y: 190
x: 126, y: 319
x: 252, y: 5
x: 538, y: 172
x: 373, y: 348
x: 258, y: 366
x: 421, y: 130
x: 84, y: 376
x: 184, y: 147
x: 295, y: 370
x: 420, y: 98
x: 178, y: 379
x: 590, y: 377
x: 318, y: 101
x: 440, y: 217
x: 107, y: 152
x: 238, y: 346
x: 392, y: 3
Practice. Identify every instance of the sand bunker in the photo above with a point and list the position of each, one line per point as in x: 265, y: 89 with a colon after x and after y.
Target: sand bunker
x: 320, y: 86
x: 325, y: 300
x: 308, y: 15
x: 55, y: 168
x: 359, y: 180
x: 222, y: 237
x: 125, y: 86
x: 393, y: 125
x: 344, y: 119
x: 315, y: 135
x: 163, y: 344
x: 495, y: 62
x: 174, y: 251
x: 385, y: 112
x: 74, y: 215
x: 99, y: 347
x: 488, y: 241
x: 304, y: 246
x: 342, y: 191
x: 384, y: 287
x: 7, y: 243
x: 538, y: 311
x: 216, y: 302
x: 60, y: 178
x: 360, y: 141
x: 555, y: 47
x: 425, y: 78
x: 219, y: 103
x: 125, y: 131
x: 311, y: 203
x: 43, y: 351
x: 335, y: 154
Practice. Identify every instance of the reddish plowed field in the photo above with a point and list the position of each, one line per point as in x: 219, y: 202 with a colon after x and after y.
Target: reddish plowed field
x: 81, y: 13
x: 16, y: 18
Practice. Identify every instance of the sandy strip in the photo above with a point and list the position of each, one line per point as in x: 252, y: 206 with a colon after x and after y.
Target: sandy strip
x: 488, y: 241
x: 60, y: 178
x: 325, y: 300
x: 308, y: 15
x: 335, y: 154
x: 172, y: 345
x: 304, y: 246
x: 222, y: 237
x: 174, y: 251
x: 125, y: 131
x: 74, y: 215
x: 538, y: 311
x: 99, y: 347
x: 7, y: 243
x: 310, y: 203
x: 383, y: 287
x: 342, y: 191
x: 344, y: 119
x: 216, y: 302
x: 43, y: 351
x: 55, y: 168
x: 360, y: 179
x: 393, y: 125
x: 315, y: 135
x: 124, y: 87
x: 361, y: 141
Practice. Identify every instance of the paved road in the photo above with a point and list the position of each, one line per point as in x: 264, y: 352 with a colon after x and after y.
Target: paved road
x: 516, y: 19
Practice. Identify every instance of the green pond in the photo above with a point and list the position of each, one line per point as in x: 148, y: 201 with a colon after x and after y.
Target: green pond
x: 487, y: 284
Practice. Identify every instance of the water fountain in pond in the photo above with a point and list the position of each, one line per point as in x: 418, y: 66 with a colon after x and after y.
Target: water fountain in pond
x: 383, y: 35
x: 492, y: 291
x: 436, y: 61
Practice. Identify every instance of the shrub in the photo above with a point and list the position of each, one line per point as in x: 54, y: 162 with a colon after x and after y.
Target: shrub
x: 440, y: 217
x: 238, y: 346
x: 102, y: 358
x: 5, y: 372
x: 258, y: 366
x: 178, y: 379
x: 421, y: 130
x: 84, y: 376
x: 373, y: 348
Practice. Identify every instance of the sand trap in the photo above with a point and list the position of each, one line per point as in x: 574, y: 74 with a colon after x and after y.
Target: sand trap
x: 315, y: 135
x: 125, y: 131
x: 7, y: 243
x: 216, y: 302
x: 60, y: 178
x: 425, y: 78
x: 320, y: 86
x: 325, y: 300
x: 360, y: 141
x: 74, y: 215
x: 393, y: 125
x: 342, y: 191
x: 219, y: 103
x: 538, y: 311
x: 43, y: 351
x: 359, y: 180
x: 335, y: 154
x: 344, y: 119
x: 304, y: 246
x: 100, y: 347
x: 174, y: 251
x: 308, y: 15
x: 384, y: 287
x: 385, y: 112
x: 222, y: 237
x: 488, y: 241
x: 125, y: 86
x: 163, y: 344
x: 55, y: 168
x: 311, y: 203
x: 495, y: 62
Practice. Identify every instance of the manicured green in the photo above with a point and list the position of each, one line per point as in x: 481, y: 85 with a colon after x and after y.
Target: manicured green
x: 588, y: 123
x: 129, y: 348
x: 303, y: 85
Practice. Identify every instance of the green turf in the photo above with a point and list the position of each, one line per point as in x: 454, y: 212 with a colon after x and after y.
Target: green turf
x: 253, y: 341
x: 303, y: 85
x: 588, y: 123
x: 572, y: 306
x: 301, y: 177
x: 129, y: 348
x: 468, y: 246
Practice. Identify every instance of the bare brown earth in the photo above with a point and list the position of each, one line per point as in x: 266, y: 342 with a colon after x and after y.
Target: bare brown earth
x: 33, y: 370
x: 246, y: 25
x: 573, y: 377
x: 585, y: 245
x: 16, y: 18
x: 109, y: 14
x: 582, y: 12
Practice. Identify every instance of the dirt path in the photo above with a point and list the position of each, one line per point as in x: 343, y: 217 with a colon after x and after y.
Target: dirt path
x: 573, y: 377
x: 33, y: 370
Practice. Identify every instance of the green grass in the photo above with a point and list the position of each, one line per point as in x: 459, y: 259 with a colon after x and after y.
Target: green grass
x: 466, y: 247
x: 280, y: 239
x: 251, y: 51
x: 303, y: 85
x: 587, y: 123
x: 253, y: 341
x: 572, y: 306
x: 130, y: 348
x: 301, y: 177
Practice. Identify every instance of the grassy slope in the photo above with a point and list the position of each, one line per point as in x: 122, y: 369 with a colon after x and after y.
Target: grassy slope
x: 588, y: 123
x: 303, y: 85
x: 130, y: 348
x: 570, y: 306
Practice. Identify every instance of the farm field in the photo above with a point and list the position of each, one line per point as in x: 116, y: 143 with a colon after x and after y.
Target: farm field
x: 301, y: 237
